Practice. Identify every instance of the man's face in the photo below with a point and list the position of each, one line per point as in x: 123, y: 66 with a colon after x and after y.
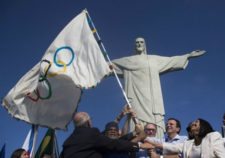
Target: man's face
x: 171, y: 127
x: 112, y: 133
x: 150, y: 130
x: 140, y: 45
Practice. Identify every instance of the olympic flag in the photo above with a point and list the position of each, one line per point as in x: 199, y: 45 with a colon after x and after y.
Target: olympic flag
x: 49, y: 93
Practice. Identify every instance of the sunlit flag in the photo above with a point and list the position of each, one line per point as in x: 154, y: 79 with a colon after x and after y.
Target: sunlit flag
x: 49, y: 93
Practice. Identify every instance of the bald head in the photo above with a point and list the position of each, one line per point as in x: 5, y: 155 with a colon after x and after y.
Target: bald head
x: 81, y: 119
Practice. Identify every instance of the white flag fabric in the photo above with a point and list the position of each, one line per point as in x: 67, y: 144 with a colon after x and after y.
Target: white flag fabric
x: 30, y: 141
x: 27, y: 145
x: 48, y: 94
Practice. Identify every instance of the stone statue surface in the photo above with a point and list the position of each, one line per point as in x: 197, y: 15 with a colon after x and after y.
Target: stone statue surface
x: 141, y: 73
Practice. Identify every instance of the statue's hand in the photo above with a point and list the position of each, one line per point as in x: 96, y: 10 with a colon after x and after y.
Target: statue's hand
x: 196, y: 53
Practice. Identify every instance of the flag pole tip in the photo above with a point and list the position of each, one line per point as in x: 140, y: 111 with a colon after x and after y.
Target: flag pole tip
x: 85, y: 10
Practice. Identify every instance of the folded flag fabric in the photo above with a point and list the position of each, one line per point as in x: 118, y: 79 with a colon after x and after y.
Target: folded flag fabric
x: 49, y: 93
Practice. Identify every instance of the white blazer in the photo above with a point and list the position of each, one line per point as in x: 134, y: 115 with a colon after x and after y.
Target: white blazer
x: 212, y: 146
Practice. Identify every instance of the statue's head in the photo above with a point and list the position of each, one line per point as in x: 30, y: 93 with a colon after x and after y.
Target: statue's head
x: 140, y: 46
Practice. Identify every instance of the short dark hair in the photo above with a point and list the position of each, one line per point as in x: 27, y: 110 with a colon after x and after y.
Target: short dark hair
x: 178, y: 124
x: 205, y: 128
x: 17, y: 153
x: 110, y: 125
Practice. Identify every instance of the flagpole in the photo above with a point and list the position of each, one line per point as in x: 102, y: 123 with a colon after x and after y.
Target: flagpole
x: 107, y: 56
x: 56, y: 145
x: 35, y: 141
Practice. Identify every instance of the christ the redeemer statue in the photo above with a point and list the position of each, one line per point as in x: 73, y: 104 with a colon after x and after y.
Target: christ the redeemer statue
x: 142, y: 83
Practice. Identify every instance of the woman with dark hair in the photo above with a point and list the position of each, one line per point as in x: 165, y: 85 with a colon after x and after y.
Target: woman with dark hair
x: 206, y: 143
x: 188, y: 129
x: 20, y: 153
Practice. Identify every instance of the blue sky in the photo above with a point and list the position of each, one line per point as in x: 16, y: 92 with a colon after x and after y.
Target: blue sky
x: 170, y: 28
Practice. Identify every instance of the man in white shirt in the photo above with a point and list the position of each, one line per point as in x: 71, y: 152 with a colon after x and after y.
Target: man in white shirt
x: 173, y: 127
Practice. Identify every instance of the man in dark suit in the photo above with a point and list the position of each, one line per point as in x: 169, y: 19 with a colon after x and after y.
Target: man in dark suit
x: 88, y: 142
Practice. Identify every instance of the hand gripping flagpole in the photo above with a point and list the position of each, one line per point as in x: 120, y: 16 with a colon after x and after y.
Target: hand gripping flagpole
x: 91, y: 24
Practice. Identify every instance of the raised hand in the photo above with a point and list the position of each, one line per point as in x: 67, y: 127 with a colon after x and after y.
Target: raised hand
x: 196, y: 53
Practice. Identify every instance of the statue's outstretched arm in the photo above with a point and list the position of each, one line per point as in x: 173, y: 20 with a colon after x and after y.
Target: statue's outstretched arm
x: 196, y: 53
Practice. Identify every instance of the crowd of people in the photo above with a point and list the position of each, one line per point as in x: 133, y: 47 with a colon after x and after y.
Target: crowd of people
x: 202, y: 141
x: 87, y: 141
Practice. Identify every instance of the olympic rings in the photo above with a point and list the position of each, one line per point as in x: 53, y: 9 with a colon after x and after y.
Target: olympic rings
x: 32, y: 98
x: 49, y: 90
x: 45, y: 70
x: 60, y: 50
x: 44, y: 77
x: 59, y: 72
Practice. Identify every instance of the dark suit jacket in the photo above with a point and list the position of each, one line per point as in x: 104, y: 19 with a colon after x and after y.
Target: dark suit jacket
x: 87, y: 142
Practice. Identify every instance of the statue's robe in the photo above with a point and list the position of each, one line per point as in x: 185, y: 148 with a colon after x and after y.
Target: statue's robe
x: 142, y: 84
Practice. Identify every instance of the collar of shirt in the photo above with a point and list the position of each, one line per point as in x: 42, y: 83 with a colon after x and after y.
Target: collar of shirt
x: 175, y: 139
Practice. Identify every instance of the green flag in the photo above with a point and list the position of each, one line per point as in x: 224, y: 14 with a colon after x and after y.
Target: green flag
x: 47, y: 145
